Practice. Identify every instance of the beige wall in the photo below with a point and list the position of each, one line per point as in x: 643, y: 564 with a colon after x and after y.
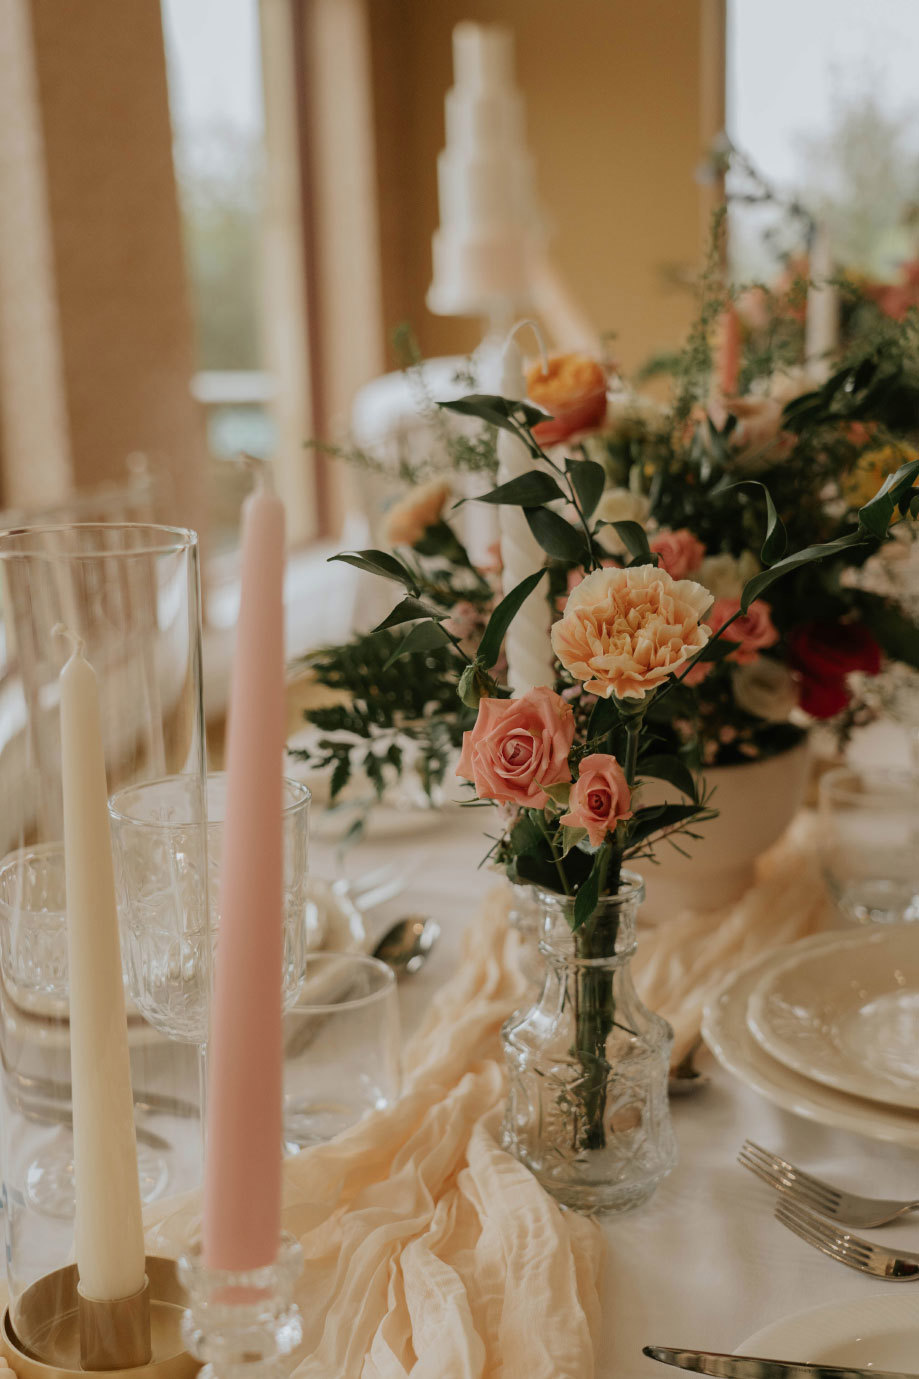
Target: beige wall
x: 619, y: 104
x: 97, y: 133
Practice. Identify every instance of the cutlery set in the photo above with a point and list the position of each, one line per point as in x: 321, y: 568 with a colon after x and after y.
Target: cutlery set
x: 819, y: 1213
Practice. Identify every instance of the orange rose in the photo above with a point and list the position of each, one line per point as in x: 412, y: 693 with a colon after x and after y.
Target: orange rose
x: 573, y: 390
x: 408, y: 520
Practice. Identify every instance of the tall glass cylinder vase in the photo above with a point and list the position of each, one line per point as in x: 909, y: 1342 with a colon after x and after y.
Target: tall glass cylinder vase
x: 587, y: 1106
x: 129, y: 597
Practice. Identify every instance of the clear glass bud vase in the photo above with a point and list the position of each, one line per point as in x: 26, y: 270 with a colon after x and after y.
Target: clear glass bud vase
x: 587, y: 1108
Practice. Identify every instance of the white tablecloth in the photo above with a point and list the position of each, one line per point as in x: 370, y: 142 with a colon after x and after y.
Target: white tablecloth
x: 702, y: 1265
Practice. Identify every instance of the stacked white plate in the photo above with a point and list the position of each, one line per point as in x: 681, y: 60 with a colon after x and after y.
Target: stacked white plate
x: 829, y: 1028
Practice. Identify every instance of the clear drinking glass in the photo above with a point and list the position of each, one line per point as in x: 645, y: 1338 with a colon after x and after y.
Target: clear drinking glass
x: 341, y: 1047
x: 869, y: 843
x: 131, y: 593
x: 168, y: 842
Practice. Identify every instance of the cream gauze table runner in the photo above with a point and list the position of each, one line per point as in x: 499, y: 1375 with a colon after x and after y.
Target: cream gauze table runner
x: 431, y: 1253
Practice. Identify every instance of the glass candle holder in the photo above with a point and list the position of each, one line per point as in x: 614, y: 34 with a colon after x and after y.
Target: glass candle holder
x: 128, y: 595
x: 243, y: 1322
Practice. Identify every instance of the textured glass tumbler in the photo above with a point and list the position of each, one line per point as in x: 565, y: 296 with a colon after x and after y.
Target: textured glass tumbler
x: 168, y: 838
x: 869, y: 843
x: 341, y: 1047
x: 130, y: 594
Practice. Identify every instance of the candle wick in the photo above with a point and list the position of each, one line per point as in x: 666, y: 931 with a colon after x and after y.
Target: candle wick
x: 77, y: 644
x: 261, y: 470
x: 534, y: 327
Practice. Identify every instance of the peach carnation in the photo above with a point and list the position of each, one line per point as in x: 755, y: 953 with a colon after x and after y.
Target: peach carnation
x: 408, y: 520
x: 624, y: 632
x: 599, y: 798
x: 517, y: 746
x: 752, y: 633
x: 573, y: 388
x: 680, y: 552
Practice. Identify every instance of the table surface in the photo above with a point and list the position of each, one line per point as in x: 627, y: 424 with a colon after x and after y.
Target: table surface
x: 703, y: 1265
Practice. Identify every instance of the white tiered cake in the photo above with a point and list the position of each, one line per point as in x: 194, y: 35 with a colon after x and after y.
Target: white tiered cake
x: 488, y: 215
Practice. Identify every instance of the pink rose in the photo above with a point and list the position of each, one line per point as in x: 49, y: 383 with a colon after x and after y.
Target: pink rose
x: 752, y: 633
x: 680, y: 553
x: 599, y: 798
x: 624, y: 632
x: 697, y: 673
x: 517, y: 746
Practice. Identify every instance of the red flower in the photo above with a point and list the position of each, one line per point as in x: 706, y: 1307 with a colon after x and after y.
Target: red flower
x: 825, y: 653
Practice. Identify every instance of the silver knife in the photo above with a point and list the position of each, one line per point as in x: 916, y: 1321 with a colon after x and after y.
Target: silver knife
x: 749, y: 1367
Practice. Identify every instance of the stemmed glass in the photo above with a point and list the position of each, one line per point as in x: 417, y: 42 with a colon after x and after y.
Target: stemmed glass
x: 168, y: 838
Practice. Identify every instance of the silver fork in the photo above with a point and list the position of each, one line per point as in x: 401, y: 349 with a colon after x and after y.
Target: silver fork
x: 850, y: 1250
x: 865, y: 1212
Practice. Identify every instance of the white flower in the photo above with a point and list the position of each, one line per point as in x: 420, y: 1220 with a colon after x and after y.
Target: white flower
x: 765, y: 688
x: 726, y: 575
x: 619, y: 505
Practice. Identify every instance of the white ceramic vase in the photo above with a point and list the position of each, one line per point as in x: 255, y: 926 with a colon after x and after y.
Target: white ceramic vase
x: 756, y: 802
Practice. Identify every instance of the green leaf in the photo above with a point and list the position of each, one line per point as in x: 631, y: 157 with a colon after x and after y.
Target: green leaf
x: 657, y: 817
x: 340, y: 776
x: 585, y: 902
x: 506, y: 413
x: 528, y: 490
x: 897, y: 633
x: 714, y: 650
x: 604, y: 717
x: 588, y: 480
x: 408, y: 610
x: 503, y: 616
x: 571, y: 837
x: 875, y: 516
x: 775, y: 542
x: 558, y: 794
x: 672, y: 770
x: 526, y: 836
x: 378, y: 563
x: 633, y: 536
x: 424, y: 636
x: 556, y: 536
x: 761, y: 582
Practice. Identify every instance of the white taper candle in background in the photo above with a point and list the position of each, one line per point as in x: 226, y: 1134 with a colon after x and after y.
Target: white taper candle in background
x: 109, y: 1232
x: 821, y: 331
x: 529, y: 655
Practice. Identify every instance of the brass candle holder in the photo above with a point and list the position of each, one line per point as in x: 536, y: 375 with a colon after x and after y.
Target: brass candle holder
x: 60, y: 1334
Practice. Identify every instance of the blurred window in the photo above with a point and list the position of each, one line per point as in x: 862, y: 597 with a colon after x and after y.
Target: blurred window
x: 215, y: 98
x: 822, y: 98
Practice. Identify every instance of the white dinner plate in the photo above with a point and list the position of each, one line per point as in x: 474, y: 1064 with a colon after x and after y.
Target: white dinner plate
x: 725, y: 1030
x: 847, y: 1013
x: 879, y: 1332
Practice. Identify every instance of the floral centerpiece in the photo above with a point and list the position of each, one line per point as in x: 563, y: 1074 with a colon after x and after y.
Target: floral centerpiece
x: 565, y: 762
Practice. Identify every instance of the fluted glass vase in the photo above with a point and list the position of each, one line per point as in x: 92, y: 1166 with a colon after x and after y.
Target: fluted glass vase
x: 587, y: 1108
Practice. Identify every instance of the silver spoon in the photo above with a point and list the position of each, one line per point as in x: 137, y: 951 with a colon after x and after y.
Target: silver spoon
x: 406, y: 947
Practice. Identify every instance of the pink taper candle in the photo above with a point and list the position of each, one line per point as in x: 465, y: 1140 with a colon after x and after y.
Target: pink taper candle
x: 727, y: 354
x: 242, y: 1184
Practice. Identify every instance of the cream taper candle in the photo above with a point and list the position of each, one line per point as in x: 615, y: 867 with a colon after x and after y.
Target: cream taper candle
x: 109, y: 1233
x: 242, y: 1177
x: 529, y: 656
x: 821, y: 331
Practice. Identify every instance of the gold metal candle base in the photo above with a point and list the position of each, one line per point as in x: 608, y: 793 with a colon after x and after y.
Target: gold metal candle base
x: 115, y: 1335
x: 46, y: 1342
